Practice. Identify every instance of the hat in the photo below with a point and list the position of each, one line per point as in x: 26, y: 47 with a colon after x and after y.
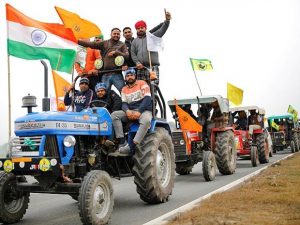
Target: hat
x: 100, y: 36
x: 129, y: 71
x: 84, y: 80
x: 100, y: 86
x: 140, y: 23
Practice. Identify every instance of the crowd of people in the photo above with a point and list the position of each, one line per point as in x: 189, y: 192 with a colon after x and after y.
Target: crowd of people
x: 128, y: 66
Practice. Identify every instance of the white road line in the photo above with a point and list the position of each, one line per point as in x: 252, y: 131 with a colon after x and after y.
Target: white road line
x: 164, y: 219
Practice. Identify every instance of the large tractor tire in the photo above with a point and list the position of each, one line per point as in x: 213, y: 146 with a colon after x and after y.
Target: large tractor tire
x: 226, y: 152
x: 183, y: 169
x: 13, y: 203
x: 96, y: 198
x: 263, y: 148
x: 254, y: 156
x: 154, y: 167
x: 209, y: 166
x: 296, y: 140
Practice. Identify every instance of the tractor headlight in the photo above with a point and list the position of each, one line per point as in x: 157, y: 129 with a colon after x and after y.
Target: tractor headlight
x: 181, y: 142
x: 69, y: 141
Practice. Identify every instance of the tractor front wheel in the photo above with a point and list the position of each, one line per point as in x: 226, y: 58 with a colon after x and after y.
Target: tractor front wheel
x: 293, y: 146
x: 13, y: 203
x: 183, y: 168
x: 254, y: 156
x: 209, y: 166
x: 96, y: 198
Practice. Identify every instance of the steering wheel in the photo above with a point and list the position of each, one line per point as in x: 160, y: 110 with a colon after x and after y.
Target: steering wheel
x: 99, y: 103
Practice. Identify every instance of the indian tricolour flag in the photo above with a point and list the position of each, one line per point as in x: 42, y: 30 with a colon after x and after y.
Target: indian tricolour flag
x: 31, y: 39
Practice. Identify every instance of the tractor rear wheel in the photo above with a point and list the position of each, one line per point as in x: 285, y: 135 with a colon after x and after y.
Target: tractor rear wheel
x: 262, y: 147
x: 96, y: 198
x: 13, y: 203
x: 154, y: 167
x: 209, y: 166
x: 226, y: 152
x: 254, y: 156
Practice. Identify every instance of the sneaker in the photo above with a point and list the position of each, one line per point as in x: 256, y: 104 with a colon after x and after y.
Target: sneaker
x: 124, y: 150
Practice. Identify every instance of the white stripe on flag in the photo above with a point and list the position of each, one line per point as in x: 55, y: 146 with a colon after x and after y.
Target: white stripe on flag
x: 25, y: 34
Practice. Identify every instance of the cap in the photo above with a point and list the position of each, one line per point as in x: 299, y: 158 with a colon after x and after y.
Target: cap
x: 100, y: 86
x: 84, y: 80
x: 129, y: 71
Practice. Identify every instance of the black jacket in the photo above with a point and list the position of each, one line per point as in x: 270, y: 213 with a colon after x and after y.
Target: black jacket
x: 113, y: 100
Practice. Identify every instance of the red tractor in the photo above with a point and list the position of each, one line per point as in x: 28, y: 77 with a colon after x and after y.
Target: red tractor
x: 213, y: 144
x: 250, y: 137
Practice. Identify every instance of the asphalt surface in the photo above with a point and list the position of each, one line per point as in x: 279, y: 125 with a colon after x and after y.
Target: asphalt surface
x: 49, y: 209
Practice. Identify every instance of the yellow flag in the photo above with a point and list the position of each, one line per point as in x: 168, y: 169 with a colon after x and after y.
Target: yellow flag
x: 275, y: 125
x: 81, y: 28
x: 201, y: 64
x: 234, y: 94
x: 186, y: 121
x: 60, y: 85
x: 292, y: 111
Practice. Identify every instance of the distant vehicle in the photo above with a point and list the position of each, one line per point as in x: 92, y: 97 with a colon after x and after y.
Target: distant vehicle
x: 256, y: 148
x: 284, y: 132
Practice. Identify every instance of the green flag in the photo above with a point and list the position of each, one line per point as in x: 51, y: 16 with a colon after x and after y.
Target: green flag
x: 201, y: 64
x: 292, y: 111
x: 275, y: 125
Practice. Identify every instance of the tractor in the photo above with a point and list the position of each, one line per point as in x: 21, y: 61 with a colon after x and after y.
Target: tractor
x: 284, y: 132
x: 213, y: 144
x: 65, y: 152
x: 255, y: 147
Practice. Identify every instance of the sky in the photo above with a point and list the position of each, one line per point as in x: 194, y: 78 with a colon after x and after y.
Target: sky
x: 252, y: 44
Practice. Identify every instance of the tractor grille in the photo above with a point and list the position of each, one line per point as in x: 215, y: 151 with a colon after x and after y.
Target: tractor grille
x: 29, y: 146
x: 179, y: 143
x: 278, y: 137
x: 51, y: 148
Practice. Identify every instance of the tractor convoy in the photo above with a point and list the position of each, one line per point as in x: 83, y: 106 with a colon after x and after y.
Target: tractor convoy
x: 66, y: 152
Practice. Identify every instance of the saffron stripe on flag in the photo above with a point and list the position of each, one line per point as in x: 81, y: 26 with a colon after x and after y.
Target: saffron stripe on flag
x: 14, y: 15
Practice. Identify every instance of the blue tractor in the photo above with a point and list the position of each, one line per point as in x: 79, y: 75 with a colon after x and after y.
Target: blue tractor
x: 66, y: 154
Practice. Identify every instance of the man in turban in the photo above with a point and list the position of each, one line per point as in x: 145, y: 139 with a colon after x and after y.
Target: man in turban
x: 139, y: 52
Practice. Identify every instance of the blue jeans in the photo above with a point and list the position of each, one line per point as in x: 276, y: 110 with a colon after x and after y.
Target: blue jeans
x: 115, y: 79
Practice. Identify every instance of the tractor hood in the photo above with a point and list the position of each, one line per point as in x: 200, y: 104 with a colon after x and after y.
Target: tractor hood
x: 85, y: 122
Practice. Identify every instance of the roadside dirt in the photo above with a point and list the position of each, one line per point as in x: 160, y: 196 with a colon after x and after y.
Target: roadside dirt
x: 272, y: 197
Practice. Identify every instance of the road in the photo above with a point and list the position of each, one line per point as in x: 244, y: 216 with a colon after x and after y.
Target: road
x: 49, y: 209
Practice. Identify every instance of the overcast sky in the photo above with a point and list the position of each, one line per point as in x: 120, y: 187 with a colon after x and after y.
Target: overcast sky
x: 253, y: 44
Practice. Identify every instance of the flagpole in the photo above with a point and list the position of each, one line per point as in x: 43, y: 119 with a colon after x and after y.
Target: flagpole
x: 8, y: 83
x: 197, y: 82
x: 9, y: 99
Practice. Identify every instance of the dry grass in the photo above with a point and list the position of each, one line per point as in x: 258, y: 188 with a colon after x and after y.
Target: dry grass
x: 272, y: 197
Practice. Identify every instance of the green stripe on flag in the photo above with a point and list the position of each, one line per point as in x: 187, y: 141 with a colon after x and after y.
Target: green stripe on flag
x: 60, y: 59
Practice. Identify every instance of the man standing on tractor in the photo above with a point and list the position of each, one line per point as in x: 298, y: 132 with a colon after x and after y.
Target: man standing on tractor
x: 136, y: 106
x: 254, y: 122
x: 82, y: 98
x: 142, y: 58
x: 110, y: 50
